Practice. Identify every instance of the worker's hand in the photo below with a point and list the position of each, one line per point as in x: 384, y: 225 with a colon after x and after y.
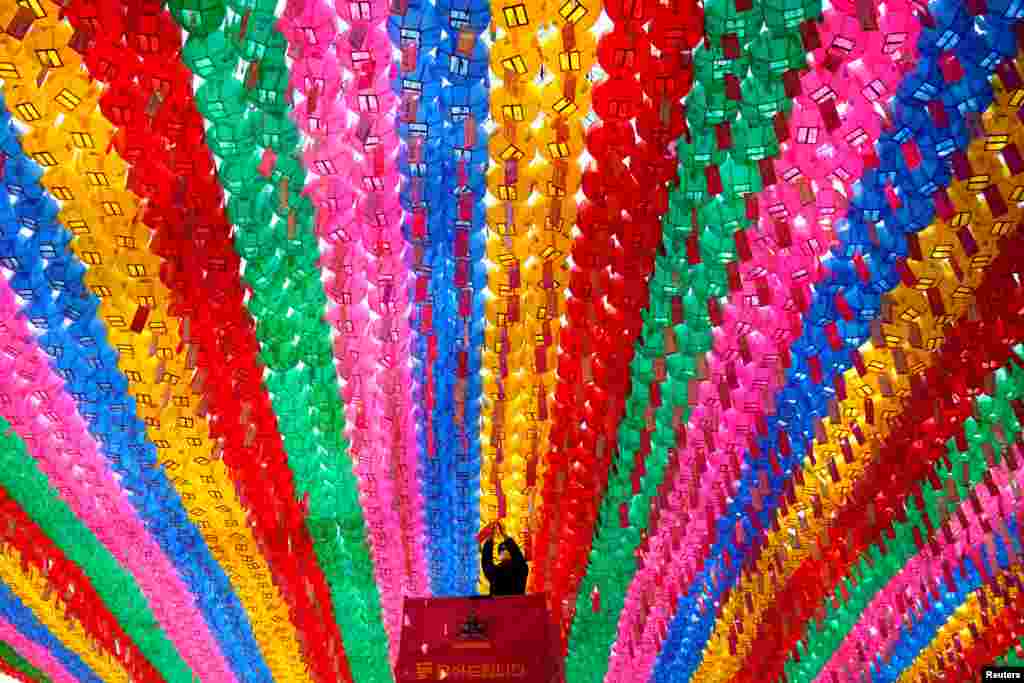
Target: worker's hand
x: 486, y: 534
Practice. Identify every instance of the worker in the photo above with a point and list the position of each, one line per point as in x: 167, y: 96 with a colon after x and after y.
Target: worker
x: 508, y: 576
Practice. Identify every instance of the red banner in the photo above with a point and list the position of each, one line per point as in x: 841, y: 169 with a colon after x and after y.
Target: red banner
x: 474, y: 639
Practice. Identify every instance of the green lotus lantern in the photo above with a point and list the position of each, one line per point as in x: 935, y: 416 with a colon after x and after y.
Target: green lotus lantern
x: 198, y: 17
x: 787, y: 15
x: 721, y: 18
x: 220, y: 100
x: 208, y: 56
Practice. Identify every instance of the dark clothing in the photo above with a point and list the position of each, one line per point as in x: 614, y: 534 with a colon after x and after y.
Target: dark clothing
x: 509, y: 577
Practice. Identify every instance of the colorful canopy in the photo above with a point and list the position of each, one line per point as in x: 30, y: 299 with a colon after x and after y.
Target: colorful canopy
x: 717, y: 307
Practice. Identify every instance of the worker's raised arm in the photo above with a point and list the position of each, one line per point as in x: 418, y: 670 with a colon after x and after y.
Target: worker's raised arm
x: 487, y: 559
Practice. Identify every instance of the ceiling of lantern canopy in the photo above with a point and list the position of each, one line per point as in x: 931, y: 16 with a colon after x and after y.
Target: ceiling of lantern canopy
x: 706, y: 314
